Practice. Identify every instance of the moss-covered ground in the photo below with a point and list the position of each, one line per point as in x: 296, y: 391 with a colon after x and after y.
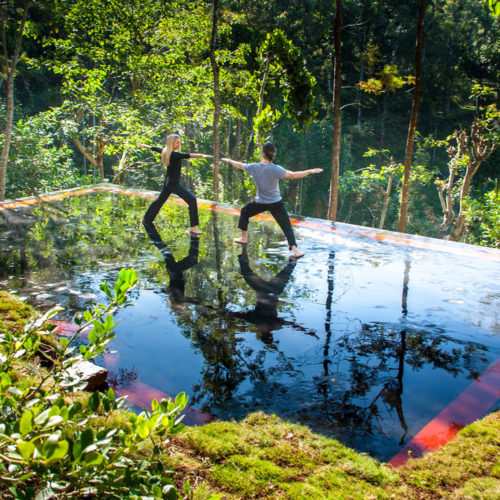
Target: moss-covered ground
x: 265, y: 457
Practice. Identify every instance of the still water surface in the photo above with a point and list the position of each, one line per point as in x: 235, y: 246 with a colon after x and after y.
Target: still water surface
x: 362, y: 340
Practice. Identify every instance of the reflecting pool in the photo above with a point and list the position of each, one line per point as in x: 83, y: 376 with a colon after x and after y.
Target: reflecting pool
x: 366, y: 339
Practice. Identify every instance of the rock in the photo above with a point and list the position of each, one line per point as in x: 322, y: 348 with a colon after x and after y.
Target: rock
x: 94, y: 375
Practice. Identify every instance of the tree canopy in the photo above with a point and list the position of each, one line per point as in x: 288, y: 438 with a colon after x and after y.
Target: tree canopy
x: 92, y: 79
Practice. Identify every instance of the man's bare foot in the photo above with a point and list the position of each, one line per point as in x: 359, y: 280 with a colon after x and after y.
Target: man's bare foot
x: 195, y: 230
x: 297, y: 253
x: 241, y: 241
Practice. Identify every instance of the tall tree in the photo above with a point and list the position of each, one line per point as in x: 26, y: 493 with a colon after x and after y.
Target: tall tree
x: 9, y: 70
x: 413, y: 120
x: 216, y: 71
x: 470, y: 152
x: 334, y: 182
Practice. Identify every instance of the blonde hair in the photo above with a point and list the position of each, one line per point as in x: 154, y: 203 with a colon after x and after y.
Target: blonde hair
x: 167, y: 150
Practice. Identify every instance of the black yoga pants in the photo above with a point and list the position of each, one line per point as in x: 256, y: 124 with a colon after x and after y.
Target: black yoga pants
x: 277, y: 210
x: 182, y: 192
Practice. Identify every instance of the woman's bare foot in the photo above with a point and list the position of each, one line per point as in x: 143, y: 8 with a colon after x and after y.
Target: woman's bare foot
x: 241, y: 241
x: 195, y: 230
x: 297, y: 253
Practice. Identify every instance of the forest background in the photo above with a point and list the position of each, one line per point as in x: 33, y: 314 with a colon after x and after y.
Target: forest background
x: 84, y: 81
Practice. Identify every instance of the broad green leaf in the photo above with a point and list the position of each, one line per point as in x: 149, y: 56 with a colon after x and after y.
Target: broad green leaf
x: 94, y: 401
x: 54, y: 420
x: 46, y: 494
x: 143, y: 429
x: 93, y: 336
x: 87, y: 438
x: 77, y: 450
x: 110, y: 394
x: 93, y: 458
x: 26, y: 449
x: 5, y: 381
x: 26, y: 422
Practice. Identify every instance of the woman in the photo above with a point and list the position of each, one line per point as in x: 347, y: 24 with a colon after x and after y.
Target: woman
x: 266, y: 176
x: 171, y: 158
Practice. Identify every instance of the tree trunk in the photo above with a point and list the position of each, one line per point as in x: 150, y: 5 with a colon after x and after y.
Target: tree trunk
x: 361, y: 76
x: 9, y: 70
x: 83, y: 150
x: 121, y: 170
x: 383, y: 120
x: 334, y: 182
x: 97, y: 159
x: 101, y: 145
x: 403, y: 210
x: 215, y: 69
x: 458, y: 228
x: 386, y: 194
x: 258, y: 138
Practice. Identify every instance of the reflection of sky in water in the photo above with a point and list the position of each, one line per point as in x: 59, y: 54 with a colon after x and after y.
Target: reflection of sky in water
x: 336, y: 349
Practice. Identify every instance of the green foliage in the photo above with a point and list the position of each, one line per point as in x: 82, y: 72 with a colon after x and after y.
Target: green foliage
x: 39, y: 161
x: 388, y: 80
x: 265, y: 121
x: 120, y: 73
x: 296, y: 82
x: 494, y: 6
x: 483, y: 219
x: 53, y: 445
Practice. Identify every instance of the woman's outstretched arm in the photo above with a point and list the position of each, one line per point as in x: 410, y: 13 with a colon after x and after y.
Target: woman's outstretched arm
x: 234, y: 163
x: 302, y: 173
x: 199, y: 155
x: 158, y: 150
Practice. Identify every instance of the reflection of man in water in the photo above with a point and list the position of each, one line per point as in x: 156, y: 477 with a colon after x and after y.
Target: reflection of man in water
x: 175, y: 268
x: 265, y: 314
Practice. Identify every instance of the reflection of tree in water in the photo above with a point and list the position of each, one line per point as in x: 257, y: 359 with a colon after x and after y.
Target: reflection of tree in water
x: 227, y: 364
x: 124, y: 377
x: 371, y: 364
x: 217, y: 333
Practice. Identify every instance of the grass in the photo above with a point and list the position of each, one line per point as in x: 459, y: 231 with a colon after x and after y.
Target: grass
x: 266, y: 457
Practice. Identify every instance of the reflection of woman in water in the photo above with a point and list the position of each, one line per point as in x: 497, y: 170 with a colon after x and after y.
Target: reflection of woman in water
x: 175, y: 268
x: 267, y: 292
x: 171, y: 158
x: 267, y: 176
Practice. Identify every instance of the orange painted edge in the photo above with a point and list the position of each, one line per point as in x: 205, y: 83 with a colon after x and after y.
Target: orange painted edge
x: 470, y: 405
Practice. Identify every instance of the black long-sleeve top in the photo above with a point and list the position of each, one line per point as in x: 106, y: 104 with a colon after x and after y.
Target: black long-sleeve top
x: 174, y: 165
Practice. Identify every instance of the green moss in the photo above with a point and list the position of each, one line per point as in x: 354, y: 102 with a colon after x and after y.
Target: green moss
x: 495, y: 471
x: 14, y: 313
x: 250, y: 476
x: 484, y: 488
x: 263, y: 456
x: 216, y: 440
x: 305, y: 491
x: 287, y: 455
x: 471, y: 455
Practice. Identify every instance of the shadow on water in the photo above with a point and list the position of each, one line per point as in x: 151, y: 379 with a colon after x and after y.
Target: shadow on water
x: 360, y: 340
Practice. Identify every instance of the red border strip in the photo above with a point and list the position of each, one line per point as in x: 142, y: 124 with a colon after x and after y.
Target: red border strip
x: 141, y: 395
x: 472, y: 404
x: 136, y: 391
x: 319, y: 224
